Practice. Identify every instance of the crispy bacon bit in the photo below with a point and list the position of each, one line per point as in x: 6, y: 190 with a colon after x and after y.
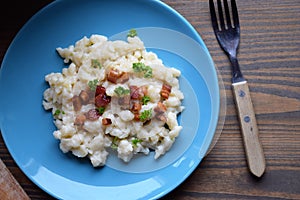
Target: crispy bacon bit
x: 100, y: 90
x: 84, y: 97
x: 144, y: 90
x: 80, y: 119
x: 113, y: 75
x: 161, y: 117
x: 136, y: 116
x: 92, y: 115
x: 133, y: 94
x: 102, y: 100
x: 76, y: 103
x: 136, y: 107
x: 106, y: 121
x: 124, y: 77
x: 165, y: 91
x: 138, y: 92
x: 124, y: 102
x: 160, y: 108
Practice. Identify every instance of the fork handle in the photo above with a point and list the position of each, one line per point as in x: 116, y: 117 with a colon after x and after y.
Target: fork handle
x: 253, y: 148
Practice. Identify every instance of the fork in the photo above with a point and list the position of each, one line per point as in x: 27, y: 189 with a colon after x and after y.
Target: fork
x: 227, y: 31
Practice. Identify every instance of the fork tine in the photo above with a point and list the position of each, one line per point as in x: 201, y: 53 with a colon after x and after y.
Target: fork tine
x: 221, y: 18
x: 235, y: 15
x: 228, y: 20
x: 213, y: 15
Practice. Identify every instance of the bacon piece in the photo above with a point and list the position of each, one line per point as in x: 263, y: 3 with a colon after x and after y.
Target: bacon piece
x: 100, y: 90
x: 136, y: 107
x: 138, y: 92
x: 106, y: 121
x: 76, y: 103
x: 92, y: 115
x: 84, y: 97
x: 161, y: 117
x: 136, y: 116
x: 124, y: 102
x: 101, y: 98
x: 133, y: 93
x: 113, y: 75
x: 165, y: 91
x: 80, y: 119
x: 144, y: 89
x: 160, y: 108
x: 124, y: 77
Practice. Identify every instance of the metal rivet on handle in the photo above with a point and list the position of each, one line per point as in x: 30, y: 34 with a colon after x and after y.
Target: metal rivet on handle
x: 247, y: 119
x: 242, y: 93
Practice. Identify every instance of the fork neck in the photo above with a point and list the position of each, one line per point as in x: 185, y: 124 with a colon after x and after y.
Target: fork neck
x: 237, y: 75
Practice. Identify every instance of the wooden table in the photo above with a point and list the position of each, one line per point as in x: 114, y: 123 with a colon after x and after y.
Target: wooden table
x: 269, y: 56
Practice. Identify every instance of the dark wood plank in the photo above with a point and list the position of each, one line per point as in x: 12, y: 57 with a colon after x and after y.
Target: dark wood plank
x: 269, y: 56
x: 9, y: 186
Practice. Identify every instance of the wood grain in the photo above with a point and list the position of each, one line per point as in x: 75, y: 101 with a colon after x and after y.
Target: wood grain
x: 253, y: 148
x: 10, y: 189
x: 269, y: 56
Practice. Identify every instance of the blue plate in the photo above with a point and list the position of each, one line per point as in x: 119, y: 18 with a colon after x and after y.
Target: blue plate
x: 27, y: 128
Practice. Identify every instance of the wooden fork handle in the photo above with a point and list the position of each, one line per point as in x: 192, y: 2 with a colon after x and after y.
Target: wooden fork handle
x: 253, y: 148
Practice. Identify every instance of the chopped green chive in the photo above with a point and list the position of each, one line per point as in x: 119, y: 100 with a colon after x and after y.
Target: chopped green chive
x: 114, y: 144
x: 141, y: 67
x: 96, y: 64
x: 145, y: 100
x: 120, y: 91
x: 93, y: 84
x: 132, y: 33
x: 57, y: 112
x: 101, y: 110
x: 135, y: 141
x: 145, y: 115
